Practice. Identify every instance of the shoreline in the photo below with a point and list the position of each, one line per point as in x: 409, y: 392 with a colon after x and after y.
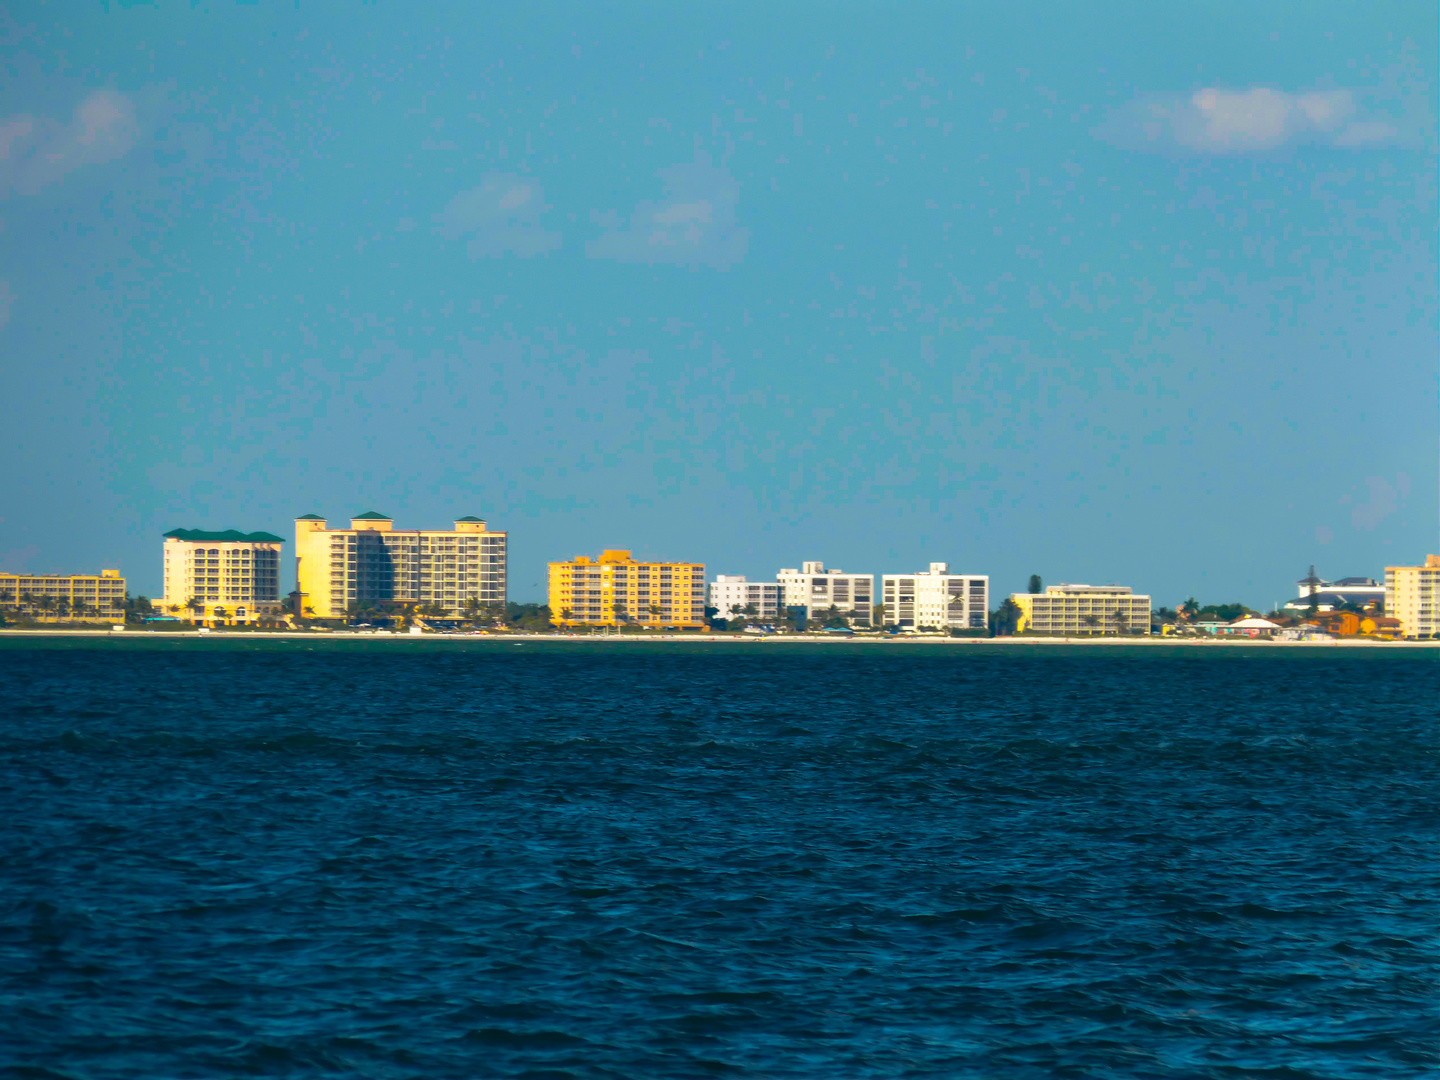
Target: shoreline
x: 719, y: 639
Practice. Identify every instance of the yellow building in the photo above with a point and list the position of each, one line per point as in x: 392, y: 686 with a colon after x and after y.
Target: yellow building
x: 48, y: 596
x: 1078, y: 610
x: 1412, y: 595
x: 222, y: 577
x: 338, y: 569
x: 616, y: 589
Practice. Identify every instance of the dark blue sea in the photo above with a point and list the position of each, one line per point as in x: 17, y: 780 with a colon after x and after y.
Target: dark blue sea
x: 391, y: 859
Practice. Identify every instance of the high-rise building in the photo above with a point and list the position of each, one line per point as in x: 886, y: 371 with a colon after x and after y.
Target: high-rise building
x: 1412, y: 595
x: 937, y: 599
x: 615, y: 589
x: 733, y: 597
x: 337, y: 569
x: 222, y: 577
x: 817, y: 590
x: 76, y: 595
x: 1079, y: 610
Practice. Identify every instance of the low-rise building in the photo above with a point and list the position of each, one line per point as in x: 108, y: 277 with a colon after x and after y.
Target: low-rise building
x: 1253, y: 626
x: 1080, y: 610
x: 733, y: 597
x: 936, y: 599
x: 818, y: 590
x: 46, y: 596
x: 221, y: 577
x: 339, y: 570
x: 616, y: 590
x: 1412, y: 595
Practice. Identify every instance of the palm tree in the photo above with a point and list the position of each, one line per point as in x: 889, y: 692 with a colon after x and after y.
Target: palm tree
x: 220, y: 614
x: 1121, y: 621
x: 62, y: 607
x: 79, y: 608
x: 47, y: 604
x: 1092, y: 621
x: 1009, y: 617
x: 654, y: 610
x: 195, y: 605
x: 28, y: 599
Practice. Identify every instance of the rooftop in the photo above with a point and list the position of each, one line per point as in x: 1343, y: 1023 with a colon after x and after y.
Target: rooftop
x: 372, y: 515
x: 228, y: 536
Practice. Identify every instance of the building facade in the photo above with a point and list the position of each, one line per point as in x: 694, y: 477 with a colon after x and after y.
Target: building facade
x: 936, y: 599
x: 338, y: 570
x: 1079, y: 610
x: 615, y: 590
x: 733, y: 597
x: 1412, y: 595
x: 64, y: 595
x: 222, y: 577
x: 817, y: 590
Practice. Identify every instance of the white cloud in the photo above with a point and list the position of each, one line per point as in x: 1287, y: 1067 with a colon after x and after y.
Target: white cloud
x: 37, y: 151
x: 1219, y: 121
x: 694, y: 225
x: 501, y: 215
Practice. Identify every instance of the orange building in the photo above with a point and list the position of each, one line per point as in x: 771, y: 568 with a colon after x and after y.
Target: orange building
x: 1340, y: 623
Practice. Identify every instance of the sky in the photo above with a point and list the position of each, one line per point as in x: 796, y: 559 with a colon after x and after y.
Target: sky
x: 1105, y: 292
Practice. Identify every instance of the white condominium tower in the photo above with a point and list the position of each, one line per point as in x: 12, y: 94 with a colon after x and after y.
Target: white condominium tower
x: 337, y: 569
x: 937, y: 599
x: 817, y: 590
x: 732, y: 596
x: 222, y: 577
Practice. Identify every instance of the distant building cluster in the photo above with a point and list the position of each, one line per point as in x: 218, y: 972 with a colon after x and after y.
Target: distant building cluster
x: 372, y: 570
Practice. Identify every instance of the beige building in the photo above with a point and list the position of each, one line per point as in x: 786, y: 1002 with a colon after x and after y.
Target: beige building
x: 221, y: 577
x: 936, y: 599
x: 817, y: 590
x: 48, y: 596
x: 1077, y: 610
x: 616, y: 589
x: 336, y: 569
x: 1412, y: 595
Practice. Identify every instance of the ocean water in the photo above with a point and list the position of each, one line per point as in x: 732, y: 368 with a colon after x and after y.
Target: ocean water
x: 477, y: 859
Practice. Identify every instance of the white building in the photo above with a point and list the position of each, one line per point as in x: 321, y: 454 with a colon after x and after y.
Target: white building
x: 937, y: 598
x: 1314, y: 592
x: 222, y: 577
x: 731, y: 595
x: 817, y: 590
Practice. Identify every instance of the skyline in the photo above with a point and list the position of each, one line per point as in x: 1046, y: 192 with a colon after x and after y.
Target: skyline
x: 1162, y: 312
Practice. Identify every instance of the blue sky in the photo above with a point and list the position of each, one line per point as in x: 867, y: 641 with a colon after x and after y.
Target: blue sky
x: 1105, y: 292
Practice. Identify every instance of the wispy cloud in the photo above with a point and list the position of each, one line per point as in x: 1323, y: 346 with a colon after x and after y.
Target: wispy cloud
x: 501, y: 215
x: 1220, y: 121
x: 35, y: 151
x: 693, y: 225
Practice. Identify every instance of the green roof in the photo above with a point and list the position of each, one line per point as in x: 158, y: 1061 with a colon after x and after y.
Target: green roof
x: 310, y: 517
x: 228, y: 536
x: 371, y: 515
x: 470, y: 517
